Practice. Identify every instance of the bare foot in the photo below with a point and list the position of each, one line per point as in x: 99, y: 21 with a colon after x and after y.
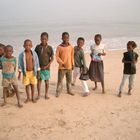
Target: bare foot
x: 72, y: 84
x: 47, y: 98
x: 86, y: 94
x: 38, y: 97
x: 129, y: 92
x: 120, y: 94
x: 3, y: 104
x: 70, y: 93
x: 20, y: 106
x: 57, y: 95
x: 103, y: 91
x: 27, y: 101
x: 94, y: 88
x: 34, y: 101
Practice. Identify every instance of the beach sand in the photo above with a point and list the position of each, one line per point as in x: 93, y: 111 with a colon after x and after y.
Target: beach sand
x: 96, y: 117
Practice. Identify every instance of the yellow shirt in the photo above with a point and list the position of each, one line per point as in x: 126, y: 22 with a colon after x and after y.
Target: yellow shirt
x: 65, y: 56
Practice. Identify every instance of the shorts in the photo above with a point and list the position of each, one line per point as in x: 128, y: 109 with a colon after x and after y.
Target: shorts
x: 29, y: 78
x: 7, y: 82
x: 44, y: 74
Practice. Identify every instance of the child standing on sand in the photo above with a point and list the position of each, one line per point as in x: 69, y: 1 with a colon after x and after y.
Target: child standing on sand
x: 29, y: 66
x: 96, y: 69
x: 65, y: 59
x: 79, y: 62
x: 46, y: 56
x: 8, y: 63
x: 130, y: 59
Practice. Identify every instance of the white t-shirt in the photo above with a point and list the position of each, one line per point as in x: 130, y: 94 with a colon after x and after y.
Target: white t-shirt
x: 95, y: 50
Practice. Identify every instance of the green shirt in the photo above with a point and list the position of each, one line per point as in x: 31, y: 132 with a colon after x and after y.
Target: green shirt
x: 79, y: 58
x: 8, y: 67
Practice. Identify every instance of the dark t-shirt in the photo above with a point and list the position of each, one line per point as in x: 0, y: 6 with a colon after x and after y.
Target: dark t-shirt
x: 44, y: 54
x: 79, y: 58
x: 130, y: 68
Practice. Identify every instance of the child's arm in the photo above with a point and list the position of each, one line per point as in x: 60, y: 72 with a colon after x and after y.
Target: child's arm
x: 72, y: 58
x: 47, y: 66
x: 19, y: 75
x: 37, y: 65
x: 19, y: 67
x: 58, y: 59
x: 51, y: 59
x: 103, y: 53
x: 128, y: 62
x: 83, y: 59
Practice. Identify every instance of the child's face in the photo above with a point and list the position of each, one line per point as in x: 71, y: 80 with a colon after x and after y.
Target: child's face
x: 8, y: 52
x: 44, y: 40
x: 28, y: 45
x: 129, y: 48
x: 80, y: 43
x: 65, y: 38
x: 1, y: 51
x: 97, y: 40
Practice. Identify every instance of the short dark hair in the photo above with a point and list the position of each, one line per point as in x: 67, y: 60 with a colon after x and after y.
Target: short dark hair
x: 44, y: 34
x: 8, y: 46
x: 81, y: 38
x: 65, y: 33
x: 27, y: 40
x: 2, y: 45
x: 98, y: 35
x: 132, y: 43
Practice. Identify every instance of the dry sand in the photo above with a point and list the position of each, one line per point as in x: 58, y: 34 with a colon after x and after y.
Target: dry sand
x: 96, y: 117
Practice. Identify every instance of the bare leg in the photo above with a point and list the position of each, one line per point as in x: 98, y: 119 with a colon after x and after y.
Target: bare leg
x: 120, y: 94
x: 129, y: 92
x: 32, y: 92
x: 103, y: 87
x: 4, y: 96
x: 39, y: 89
x: 27, y: 93
x: 95, y: 86
x: 17, y: 94
x: 46, y: 89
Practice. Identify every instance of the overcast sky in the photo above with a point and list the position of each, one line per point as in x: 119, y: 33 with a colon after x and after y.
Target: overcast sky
x: 107, y: 10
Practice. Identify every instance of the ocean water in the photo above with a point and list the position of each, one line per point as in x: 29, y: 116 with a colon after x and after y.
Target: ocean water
x: 115, y: 35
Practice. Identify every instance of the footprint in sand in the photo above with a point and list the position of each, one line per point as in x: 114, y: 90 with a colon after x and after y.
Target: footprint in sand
x: 61, y: 123
x: 61, y: 111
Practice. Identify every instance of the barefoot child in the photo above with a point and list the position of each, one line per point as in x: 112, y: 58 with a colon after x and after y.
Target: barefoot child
x: 96, y: 69
x: 8, y: 63
x: 10, y: 89
x: 29, y: 66
x: 129, y: 59
x: 46, y: 56
x: 65, y: 59
x: 79, y: 62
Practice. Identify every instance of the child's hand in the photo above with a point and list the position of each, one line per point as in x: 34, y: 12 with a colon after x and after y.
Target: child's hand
x: 38, y: 75
x: 19, y: 76
x: 63, y: 65
x: 134, y: 62
x: 72, y: 67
